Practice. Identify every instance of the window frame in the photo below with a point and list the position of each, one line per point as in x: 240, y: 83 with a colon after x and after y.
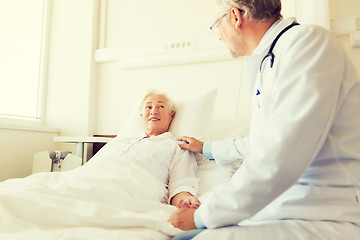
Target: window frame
x: 13, y: 122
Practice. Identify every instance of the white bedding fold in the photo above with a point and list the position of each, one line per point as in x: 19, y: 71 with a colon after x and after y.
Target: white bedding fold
x: 107, y: 199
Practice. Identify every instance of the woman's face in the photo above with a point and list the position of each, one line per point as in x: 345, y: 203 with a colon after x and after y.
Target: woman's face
x: 156, y: 115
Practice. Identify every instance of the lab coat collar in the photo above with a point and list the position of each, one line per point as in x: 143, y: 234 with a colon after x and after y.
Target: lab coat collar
x: 271, y: 34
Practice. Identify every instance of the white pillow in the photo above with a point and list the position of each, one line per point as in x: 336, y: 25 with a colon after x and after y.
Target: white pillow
x: 193, y: 118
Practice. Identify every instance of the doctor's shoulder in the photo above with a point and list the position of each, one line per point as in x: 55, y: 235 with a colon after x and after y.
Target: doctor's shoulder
x: 322, y: 39
x: 307, y: 40
x: 314, y: 34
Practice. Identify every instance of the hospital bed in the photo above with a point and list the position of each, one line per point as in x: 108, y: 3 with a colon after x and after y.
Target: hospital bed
x: 57, y: 205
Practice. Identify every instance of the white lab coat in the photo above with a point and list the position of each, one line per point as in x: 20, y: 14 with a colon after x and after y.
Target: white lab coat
x: 302, y: 157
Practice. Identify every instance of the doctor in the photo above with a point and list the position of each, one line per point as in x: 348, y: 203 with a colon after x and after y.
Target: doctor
x: 301, y: 173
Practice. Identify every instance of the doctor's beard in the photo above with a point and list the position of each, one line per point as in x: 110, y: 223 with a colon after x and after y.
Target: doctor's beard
x: 240, y: 49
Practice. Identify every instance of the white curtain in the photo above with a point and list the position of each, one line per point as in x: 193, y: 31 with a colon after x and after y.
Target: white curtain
x: 312, y: 12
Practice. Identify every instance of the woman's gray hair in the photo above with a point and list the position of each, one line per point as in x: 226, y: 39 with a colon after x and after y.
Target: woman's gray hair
x: 155, y: 92
x: 255, y: 10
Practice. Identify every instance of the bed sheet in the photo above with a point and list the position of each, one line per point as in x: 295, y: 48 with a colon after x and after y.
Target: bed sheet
x: 98, y: 197
x: 54, y: 205
x: 284, y: 229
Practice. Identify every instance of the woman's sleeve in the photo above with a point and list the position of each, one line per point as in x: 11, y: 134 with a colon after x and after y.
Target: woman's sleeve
x: 182, y: 173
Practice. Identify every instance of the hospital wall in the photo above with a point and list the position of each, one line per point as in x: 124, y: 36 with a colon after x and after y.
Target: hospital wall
x: 140, y: 23
x: 17, y: 148
x: 132, y: 23
x: 343, y: 9
x: 86, y: 98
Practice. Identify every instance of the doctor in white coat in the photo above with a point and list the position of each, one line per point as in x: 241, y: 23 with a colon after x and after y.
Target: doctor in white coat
x: 301, y: 173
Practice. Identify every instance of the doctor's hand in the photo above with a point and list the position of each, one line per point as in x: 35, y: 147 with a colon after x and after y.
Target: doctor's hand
x: 191, y: 144
x: 183, y: 218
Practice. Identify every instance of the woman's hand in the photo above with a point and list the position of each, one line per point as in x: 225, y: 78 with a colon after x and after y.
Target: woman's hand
x: 185, y: 200
x: 191, y: 144
x: 189, y: 202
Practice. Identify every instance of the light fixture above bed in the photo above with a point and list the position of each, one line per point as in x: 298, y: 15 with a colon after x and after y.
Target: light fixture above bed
x: 200, y: 50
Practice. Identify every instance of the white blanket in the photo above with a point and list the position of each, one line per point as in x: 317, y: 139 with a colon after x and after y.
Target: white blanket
x: 98, y: 197
x: 104, y: 199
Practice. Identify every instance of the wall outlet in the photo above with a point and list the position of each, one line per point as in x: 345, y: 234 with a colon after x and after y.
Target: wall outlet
x: 180, y: 46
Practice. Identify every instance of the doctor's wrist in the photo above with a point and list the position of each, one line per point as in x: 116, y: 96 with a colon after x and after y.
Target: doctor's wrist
x: 198, y: 221
x: 207, y: 151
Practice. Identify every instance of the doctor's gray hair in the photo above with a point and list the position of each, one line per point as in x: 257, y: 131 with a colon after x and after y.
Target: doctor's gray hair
x: 155, y: 92
x: 256, y: 10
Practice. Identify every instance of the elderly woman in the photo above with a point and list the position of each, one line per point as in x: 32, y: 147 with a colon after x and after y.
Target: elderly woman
x: 124, y: 186
x: 157, y: 112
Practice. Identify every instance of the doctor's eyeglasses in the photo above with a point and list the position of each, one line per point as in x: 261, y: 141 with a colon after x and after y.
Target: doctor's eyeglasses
x: 215, y: 25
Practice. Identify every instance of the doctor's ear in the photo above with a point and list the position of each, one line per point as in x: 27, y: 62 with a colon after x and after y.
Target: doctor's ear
x: 236, y: 16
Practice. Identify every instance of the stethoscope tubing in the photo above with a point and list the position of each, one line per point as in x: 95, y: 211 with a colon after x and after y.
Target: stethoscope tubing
x: 271, y: 55
x: 270, y: 52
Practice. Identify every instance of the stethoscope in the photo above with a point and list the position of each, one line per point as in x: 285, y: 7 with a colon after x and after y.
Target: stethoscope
x: 271, y: 55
